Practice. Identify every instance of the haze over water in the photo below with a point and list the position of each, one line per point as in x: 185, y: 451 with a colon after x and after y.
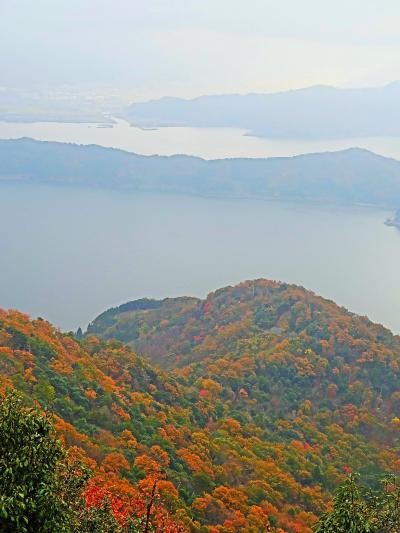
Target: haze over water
x: 71, y: 253
x: 209, y: 143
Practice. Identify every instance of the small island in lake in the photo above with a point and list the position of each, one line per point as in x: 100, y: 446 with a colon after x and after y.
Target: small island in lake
x: 395, y: 221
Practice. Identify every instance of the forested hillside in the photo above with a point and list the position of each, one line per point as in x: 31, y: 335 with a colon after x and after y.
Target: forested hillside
x: 268, y: 397
x: 353, y: 176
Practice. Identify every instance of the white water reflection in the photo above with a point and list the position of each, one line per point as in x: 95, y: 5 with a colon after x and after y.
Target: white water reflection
x: 209, y: 143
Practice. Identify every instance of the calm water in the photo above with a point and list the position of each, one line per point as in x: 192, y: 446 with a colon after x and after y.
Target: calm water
x: 68, y: 254
x: 209, y: 143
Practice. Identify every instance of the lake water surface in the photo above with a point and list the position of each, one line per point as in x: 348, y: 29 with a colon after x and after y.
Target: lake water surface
x: 209, y: 143
x: 68, y: 254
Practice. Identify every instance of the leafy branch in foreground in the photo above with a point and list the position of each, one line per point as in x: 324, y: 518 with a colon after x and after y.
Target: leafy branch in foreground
x: 30, y: 481
x: 358, y: 509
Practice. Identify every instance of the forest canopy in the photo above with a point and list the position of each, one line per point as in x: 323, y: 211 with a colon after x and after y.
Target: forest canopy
x: 268, y: 398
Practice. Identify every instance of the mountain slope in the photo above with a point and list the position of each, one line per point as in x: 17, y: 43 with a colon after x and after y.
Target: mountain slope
x: 313, y: 112
x: 349, y: 176
x: 272, y: 395
x: 130, y: 422
x: 183, y: 325
x: 278, y: 358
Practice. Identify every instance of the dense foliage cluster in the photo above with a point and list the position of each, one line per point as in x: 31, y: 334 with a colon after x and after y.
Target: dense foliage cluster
x: 31, y: 484
x: 358, y: 509
x: 268, y: 397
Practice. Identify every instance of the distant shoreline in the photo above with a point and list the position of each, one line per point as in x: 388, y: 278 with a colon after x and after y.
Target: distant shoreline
x: 393, y: 223
x: 340, y: 178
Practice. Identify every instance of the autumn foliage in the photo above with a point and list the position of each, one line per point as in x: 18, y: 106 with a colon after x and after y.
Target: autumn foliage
x: 244, y: 414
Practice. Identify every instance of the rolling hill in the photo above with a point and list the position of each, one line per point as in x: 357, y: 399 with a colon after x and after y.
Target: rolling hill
x: 346, y: 177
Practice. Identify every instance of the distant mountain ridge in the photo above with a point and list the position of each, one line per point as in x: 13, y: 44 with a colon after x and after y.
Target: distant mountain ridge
x: 352, y: 176
x: 313, y: 112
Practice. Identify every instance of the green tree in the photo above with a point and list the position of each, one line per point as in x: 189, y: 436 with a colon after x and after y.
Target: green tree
x: 45, y: 392
x: 30, y: 458
x: 357, y: 509
x: 349, y: 513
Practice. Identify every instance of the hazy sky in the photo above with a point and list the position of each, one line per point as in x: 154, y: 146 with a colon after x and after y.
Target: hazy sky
x: 150, y: 48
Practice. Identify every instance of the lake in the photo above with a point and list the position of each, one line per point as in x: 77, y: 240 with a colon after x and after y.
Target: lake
x: 210, y: 143
x: 67, y: 254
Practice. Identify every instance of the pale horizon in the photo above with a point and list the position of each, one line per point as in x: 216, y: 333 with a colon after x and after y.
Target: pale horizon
x: 143, y: 51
